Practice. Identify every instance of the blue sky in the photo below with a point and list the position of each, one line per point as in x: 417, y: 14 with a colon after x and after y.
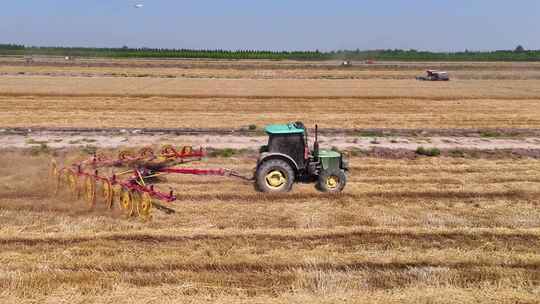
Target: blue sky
x: 440, y: 25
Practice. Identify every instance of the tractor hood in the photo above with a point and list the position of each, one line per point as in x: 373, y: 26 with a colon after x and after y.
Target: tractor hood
x: 330, y: 160
x: 328, y: 154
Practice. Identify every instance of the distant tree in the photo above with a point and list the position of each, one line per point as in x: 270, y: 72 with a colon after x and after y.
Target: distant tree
x: 519, y: 49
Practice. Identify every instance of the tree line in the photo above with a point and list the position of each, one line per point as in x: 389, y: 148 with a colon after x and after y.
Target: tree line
x: 518, y: 54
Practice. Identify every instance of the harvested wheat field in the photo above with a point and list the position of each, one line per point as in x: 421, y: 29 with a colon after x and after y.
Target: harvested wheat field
x: 233, y: 94
x: 459, y: 227
x: 426, y: 230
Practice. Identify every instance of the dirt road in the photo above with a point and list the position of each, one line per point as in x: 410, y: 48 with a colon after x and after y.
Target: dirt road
x: 127, y: 138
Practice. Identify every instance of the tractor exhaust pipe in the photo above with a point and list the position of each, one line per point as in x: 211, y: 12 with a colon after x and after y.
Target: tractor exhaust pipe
x: 316, y: 143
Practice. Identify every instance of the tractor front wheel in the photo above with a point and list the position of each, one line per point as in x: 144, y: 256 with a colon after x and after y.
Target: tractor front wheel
x: 332, y: 181
x: 274, y: 176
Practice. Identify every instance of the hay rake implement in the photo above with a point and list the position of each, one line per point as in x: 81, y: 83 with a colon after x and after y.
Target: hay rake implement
x: 133, y: 188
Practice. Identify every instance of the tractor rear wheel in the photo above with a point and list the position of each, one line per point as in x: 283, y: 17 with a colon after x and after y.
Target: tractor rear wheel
x: 332, y: 181
x: 274, y: 176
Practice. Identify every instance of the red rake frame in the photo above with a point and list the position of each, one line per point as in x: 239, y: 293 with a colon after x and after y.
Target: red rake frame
x: 144, y: 165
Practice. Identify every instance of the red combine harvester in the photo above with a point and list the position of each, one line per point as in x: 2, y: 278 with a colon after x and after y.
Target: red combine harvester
x: 433, y: 75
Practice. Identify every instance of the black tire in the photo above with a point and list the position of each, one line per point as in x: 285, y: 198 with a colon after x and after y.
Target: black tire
x: 339, y: 177
x: 282, y: 169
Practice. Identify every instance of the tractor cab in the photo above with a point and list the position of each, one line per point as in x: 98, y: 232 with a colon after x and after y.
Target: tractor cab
x: 288, y: 140
x: 287, y: 159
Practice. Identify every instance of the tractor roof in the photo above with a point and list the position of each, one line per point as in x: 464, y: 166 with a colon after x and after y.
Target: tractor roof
x: 284, y: 129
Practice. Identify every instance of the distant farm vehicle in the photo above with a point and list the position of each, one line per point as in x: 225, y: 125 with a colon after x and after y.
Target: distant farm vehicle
x: 285, y: 160
x: 346, y: 64
x: 433, y: 75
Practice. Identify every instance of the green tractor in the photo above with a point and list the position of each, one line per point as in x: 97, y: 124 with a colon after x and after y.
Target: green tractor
x: 287, y: 159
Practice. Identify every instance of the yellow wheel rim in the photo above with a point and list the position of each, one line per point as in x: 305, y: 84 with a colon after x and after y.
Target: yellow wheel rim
x: 144, y: 205
x: 90, y: 191
x: 124, y: 155
x: 187, y: 150
x: 53, y: 172
x: 108, y: 193
x: 332, y: 182
x: 101, y: 157
x: 117, y: 195
x: 126, y: 201
x: 275, y: 179
x: 168, y: 151
x: 73, y: 184
x: 54, y: 177
x: 146, y: 153
x: 58, y: 180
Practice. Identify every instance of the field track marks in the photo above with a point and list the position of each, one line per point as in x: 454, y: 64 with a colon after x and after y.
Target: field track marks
x: 360, y: 235
x: 268, y: 97
x: 262, y: 267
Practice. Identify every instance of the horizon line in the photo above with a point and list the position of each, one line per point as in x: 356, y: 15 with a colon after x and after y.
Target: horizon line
x: 265, y: 50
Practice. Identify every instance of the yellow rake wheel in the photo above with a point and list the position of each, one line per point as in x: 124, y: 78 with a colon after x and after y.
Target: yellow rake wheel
x: 168, y: 151
x: 53, y: 170
x: 58, y: 182
x: 101, y: 157
x: 187, y: 150
x: 90, y: 191
x: 54, y: 175
x: 146, y: 153
x: 72, y: 181
x: 107, y: 193
x: 126, y: 201
x: 144, y: 205
x: 125, y: 155
x: 117, y: 195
